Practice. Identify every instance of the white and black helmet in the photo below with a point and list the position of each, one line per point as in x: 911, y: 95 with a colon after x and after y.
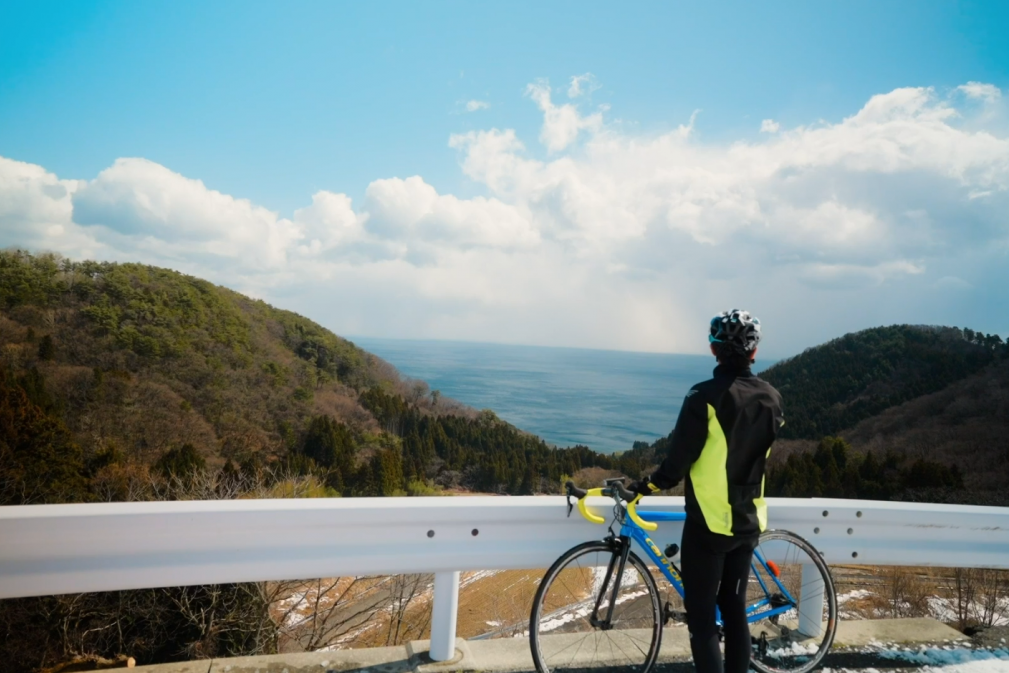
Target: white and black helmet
x: 736, y: 329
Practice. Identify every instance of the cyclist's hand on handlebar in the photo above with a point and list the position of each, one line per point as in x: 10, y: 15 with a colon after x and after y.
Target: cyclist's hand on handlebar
x: 643, y: 487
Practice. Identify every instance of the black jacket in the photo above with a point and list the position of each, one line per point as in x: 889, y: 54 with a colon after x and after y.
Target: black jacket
x: 720, y: 444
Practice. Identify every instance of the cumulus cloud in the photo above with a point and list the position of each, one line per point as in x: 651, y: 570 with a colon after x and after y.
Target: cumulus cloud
x: 475, y: 105
x: 612, y: 239
x: 769, y: 126
x: 140, y: 200
x: 36, y: 208
x: 412, y: 212
x: 329, y: 225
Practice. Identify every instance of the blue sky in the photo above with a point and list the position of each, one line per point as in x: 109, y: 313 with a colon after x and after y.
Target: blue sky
x: 272, y: 103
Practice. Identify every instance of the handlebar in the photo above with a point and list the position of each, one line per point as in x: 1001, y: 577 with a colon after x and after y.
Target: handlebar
x: 618, y: 492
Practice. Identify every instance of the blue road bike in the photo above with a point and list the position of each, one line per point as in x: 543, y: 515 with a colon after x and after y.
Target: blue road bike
x: 599, y: 607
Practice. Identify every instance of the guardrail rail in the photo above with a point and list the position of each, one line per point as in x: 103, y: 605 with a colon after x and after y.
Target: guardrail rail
x: 57, y: 549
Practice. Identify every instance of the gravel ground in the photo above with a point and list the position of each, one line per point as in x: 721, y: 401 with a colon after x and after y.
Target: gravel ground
x: 994, y: 637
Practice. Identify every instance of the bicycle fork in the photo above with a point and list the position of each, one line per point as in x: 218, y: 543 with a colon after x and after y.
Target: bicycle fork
x: 622, y: 549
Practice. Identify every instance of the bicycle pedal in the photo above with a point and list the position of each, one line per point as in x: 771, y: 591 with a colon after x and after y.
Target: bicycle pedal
x: 668, y: 613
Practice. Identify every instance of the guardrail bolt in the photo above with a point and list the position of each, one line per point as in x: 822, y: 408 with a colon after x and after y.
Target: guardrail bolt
x: 858, y: 514
x: 475, y: 532
x: 850, y: 531
x: 825, y: 512
x: 430, y: 533
x: 816, y: 531
x: 854, y: 554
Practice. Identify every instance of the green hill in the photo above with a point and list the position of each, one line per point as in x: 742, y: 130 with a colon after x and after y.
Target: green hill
x: 143, y: 359
x: 901, y: 412
x: 834, y: 386
x: 146, y: 372
x: 965, y: 424
x: 129, y: 382
x: 948, y: 446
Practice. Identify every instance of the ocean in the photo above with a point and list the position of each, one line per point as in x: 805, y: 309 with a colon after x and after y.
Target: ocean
x: 605, y: 400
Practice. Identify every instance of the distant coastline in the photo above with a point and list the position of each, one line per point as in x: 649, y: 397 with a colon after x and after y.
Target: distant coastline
x: 603, y: 399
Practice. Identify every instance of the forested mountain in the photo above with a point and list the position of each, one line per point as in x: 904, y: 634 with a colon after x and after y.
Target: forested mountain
x: 965, y: 424
x: 902, y: 412
x: 131, y: 377
x: 834, y: 386
x: 948, y: 446
x: 128, y: 382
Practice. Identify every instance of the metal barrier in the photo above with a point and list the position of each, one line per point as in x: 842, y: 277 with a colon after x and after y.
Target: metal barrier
x: 56, y: 549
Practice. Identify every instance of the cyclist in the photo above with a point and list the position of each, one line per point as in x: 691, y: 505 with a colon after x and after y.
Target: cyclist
x: 720, y: 445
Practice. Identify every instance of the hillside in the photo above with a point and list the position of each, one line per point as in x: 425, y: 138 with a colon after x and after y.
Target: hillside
x: 834, y: 386
x: 900, y: 412
x: 145, y: 359
x: 948, y: 446
x: 129, y: 382
x: 146, y: 373
x: 965, y: 424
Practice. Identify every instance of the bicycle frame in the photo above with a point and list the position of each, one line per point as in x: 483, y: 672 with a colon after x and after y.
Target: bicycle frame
x: 754, y: 613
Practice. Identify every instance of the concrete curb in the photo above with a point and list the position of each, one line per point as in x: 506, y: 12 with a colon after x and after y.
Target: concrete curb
x: 506, y: 655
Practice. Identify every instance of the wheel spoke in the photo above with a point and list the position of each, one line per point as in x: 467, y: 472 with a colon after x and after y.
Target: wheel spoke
x: 801, y: 572
x: 560, y: 628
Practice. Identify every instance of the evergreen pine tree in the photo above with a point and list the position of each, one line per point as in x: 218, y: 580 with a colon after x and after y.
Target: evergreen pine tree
x: 39, y: 461
x: 47, y: 349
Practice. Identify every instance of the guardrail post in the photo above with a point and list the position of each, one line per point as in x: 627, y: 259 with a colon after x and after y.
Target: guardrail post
x: 811, y: 601
x: 443, y: 615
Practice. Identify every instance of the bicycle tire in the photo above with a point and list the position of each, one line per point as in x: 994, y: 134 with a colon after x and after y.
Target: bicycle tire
x: 559, y: 620
x: 789, y: 654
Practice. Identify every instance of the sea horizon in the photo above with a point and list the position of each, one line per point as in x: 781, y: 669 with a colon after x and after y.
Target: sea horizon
x: 603, y: 399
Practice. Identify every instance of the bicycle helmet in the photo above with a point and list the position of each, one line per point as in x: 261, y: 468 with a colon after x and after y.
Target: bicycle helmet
x: 736, y: 329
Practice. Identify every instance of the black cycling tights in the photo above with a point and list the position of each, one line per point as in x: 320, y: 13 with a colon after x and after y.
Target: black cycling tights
x: 716, y: 568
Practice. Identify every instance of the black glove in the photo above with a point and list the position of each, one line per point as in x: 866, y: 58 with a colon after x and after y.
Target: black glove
x: 643, y: 487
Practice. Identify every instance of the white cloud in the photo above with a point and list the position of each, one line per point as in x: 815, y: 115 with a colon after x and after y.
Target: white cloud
x: 475, y: 105
x: 582, y: 85
x: 412, y: 212
x: 150, y: 205
x: 36, y: 208
x: 329, y: 224
x: 561, y: 123
x: 769, y: 126
x: 986, y: 92
x: 627, y: 242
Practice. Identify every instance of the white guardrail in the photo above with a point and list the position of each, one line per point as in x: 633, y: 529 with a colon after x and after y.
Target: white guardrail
x: 56, y: 549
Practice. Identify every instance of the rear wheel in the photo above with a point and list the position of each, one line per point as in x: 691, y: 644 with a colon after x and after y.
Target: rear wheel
x: 797, y: 586
x: 563, y: 634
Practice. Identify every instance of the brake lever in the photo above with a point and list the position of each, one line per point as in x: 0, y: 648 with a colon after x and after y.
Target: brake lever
x: 570, y: 506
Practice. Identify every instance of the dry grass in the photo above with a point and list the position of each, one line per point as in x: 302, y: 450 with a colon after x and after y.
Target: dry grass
x: 965, y: 598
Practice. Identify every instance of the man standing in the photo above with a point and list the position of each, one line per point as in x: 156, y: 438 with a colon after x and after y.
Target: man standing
x: 720, y: 445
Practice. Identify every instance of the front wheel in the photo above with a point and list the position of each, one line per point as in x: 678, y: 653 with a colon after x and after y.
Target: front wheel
x: 568, y: 629
x: 790, y: 585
